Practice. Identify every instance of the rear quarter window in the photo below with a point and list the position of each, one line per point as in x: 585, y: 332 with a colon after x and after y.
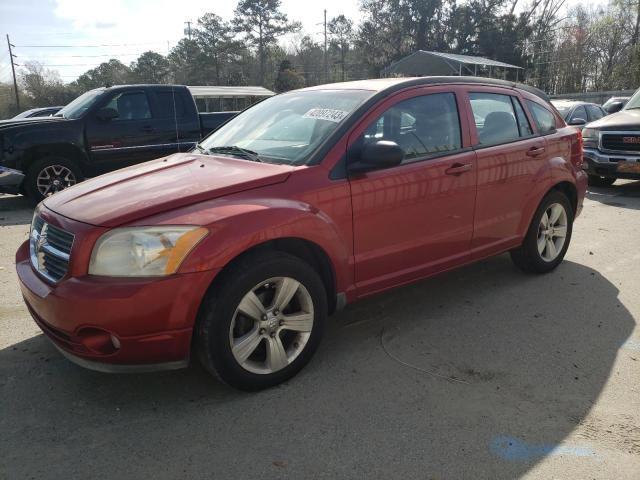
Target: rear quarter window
x: 545, y: 120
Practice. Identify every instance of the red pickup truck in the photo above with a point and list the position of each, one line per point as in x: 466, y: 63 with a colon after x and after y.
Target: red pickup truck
x: 237, y: 251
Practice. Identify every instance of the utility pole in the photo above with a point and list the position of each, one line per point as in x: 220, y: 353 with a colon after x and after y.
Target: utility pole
x: 326, y: 64
x: 13, y: 71
x: 187, y: 30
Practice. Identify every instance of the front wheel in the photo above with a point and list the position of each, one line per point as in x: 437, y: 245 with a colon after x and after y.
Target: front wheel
x: 261, y: 323
x: 50, y: 175
x: 548, y: 237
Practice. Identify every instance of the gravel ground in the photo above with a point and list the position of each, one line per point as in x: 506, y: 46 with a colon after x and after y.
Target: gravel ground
x: 482, y: 373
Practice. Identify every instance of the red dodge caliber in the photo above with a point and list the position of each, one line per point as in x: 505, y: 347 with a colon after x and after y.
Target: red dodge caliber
x: 237, y: 251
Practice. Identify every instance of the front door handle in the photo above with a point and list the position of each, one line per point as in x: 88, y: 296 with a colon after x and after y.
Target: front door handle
x: 147, y: 128
x: 535, y: 151
x: 458, y: 169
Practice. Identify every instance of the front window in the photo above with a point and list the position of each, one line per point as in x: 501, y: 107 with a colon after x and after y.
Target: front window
x: 80, y: 105
x: 287, y: 128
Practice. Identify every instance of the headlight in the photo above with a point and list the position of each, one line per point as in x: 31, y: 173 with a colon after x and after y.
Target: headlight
x: 143, y: 251
x: 590, y: 137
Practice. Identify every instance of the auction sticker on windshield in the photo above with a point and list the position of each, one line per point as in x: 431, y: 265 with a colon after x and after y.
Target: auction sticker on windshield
x: 326, y: 114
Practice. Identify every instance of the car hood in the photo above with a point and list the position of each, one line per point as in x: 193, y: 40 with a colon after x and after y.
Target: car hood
x: 622, y: 120
x: 161, y: 185
x: 18, y: 122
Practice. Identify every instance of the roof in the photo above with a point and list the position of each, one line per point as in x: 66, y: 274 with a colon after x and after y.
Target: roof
x: 216, y: 91
x: 470, y: 60
x: 381, y: 84
x: 423, y: 62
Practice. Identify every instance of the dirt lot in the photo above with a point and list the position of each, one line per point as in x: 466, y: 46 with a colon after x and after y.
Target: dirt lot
x: 482, y: 373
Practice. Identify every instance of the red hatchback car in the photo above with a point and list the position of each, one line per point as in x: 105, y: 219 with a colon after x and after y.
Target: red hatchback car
x: 307, y: 201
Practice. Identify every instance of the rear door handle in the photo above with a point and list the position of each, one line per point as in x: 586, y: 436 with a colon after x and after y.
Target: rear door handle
x: 535, y: 151
x: 458, y: 168
x: 147, y: 128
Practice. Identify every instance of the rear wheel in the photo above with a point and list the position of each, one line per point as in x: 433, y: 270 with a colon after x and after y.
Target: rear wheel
x: 261, y: 323
x: 50, y: 175
x: 598, y: 181
x: 548, y: 237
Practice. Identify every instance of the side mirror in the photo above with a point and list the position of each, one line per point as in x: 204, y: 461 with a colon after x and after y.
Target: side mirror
x: 378, y: 155
x: 107, y: 114
x: 578, y: 121
x: 614, y: 107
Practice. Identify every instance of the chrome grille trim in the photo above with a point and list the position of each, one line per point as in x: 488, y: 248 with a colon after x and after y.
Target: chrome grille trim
x: 50, y: 249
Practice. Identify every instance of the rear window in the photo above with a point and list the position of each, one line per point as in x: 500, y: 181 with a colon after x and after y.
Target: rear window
x: 545, y: 120
x: 495, y: 118
x: 165, y: 104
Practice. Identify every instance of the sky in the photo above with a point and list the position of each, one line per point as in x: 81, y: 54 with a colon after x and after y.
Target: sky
x: 72, y: 36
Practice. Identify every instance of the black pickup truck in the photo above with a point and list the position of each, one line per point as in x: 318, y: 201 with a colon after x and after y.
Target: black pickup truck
x: 100, y: 131
x: 612, y: 145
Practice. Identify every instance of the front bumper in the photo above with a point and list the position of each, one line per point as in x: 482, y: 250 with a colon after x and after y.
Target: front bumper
x: 605, y: 165
x: 151, y: 319
x: 10, y: 180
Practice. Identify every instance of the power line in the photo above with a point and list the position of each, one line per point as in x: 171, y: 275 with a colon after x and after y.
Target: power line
x: 90, y: 46
x: 89, y: 56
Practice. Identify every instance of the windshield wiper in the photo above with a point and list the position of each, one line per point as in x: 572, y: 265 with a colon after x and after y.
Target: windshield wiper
x: 233, y: 150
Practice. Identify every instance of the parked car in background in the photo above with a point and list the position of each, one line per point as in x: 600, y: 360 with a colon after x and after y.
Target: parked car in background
x: 102, y: 130
x: 612, y: 145
x: 615, y: 104
x: 38, y: 112
x: 236, y: 252
x: 578, y: 113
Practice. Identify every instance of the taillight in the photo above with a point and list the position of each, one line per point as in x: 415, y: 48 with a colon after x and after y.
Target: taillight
x: 577, y: 149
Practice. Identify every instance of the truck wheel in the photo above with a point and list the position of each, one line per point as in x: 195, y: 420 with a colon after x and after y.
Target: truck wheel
x: 50, y: 175
x: 262, y: 321
x: 598, y: 181
x: 548, y: 237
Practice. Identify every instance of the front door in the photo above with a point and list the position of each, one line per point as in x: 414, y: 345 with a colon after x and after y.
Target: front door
x: 416, y: 218
x: 125, y: 140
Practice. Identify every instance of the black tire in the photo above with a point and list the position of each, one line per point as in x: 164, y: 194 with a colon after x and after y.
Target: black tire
x: 598, y: 181
x: 30, y: 185
x: 212, y: 341
x: 526, y: 257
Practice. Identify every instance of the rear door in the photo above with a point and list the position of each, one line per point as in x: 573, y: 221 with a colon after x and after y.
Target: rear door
x: 176, y: 124
x: 129, y: 138
x: 509, y: 157
x: 415, y: 218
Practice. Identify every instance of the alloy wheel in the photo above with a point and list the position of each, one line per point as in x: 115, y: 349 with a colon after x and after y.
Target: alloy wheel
x: 54, y: 178
x: 552, y: 232
x: 272, y: 325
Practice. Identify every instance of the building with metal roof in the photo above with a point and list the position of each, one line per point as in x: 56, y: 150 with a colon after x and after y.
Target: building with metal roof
x: 424, y: 63
x: 220, y: 99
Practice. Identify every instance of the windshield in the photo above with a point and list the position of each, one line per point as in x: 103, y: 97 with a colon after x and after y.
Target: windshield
x: 634, y: 102
x: 81, y: 104
x: 287, y: 128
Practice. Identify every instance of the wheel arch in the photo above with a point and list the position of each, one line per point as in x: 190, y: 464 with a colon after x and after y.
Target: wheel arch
x: 65, y: 150
x: 570, y: 190
x: 310, y: 252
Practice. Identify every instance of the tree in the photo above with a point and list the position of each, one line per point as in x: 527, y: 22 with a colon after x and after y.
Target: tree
x: 215, y: 38
x: 113, y: 72
x: 43, y: 87
x: 262, y: 23
x: 186, y: 61
x: 288, y: 78
x: 151, y: 67
x: 341, y: 32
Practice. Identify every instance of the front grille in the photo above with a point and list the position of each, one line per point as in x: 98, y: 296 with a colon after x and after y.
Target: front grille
x: 624, y: 142
x: 50, y: 249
